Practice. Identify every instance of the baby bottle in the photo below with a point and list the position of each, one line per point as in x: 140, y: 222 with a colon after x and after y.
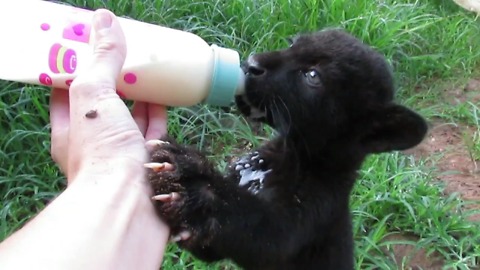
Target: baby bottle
x: 46, y: 43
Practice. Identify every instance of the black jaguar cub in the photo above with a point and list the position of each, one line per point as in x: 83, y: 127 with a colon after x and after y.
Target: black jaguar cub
x: 286, y: 205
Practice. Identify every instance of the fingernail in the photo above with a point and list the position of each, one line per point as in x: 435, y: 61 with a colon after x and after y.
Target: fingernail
x: 102, y: 20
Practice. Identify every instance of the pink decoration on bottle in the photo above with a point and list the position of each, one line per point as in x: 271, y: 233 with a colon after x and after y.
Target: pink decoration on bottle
x: 45, y: 26
x: 62, y: 59
x: 45, y: 79
x: 77, y: 32
x: 70, y: 61
x: 130, y: 78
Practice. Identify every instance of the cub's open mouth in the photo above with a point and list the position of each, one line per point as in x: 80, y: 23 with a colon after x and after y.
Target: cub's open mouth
x: 249, y: 110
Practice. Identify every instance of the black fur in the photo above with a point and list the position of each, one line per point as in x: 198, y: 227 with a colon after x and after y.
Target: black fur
x: 330, y: 97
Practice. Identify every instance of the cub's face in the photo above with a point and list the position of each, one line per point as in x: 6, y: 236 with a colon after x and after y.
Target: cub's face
x: 325, y: 82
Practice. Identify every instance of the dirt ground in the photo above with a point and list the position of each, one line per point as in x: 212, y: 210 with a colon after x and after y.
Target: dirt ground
x: 446, y: 145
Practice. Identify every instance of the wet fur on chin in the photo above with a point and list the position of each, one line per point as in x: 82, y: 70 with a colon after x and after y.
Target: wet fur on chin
x: 286, y: 205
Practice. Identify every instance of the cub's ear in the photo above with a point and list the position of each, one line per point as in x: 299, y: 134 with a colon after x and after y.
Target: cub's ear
x: 393, y: 127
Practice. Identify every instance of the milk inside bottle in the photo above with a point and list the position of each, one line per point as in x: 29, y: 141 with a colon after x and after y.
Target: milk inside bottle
x: 46, y: 43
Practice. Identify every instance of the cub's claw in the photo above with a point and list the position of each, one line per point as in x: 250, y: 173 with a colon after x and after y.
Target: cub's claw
x: 182, y: 236
x: 158, y: 167
x: 167, y: 197
x: 153, y: 144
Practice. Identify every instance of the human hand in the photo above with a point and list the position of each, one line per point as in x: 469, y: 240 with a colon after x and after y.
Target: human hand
x: 105, y: 219
x: 150, y: 120
x: 92, y: 128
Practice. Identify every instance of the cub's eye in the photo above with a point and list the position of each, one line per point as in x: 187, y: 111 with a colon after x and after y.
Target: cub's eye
x: 312, y: 77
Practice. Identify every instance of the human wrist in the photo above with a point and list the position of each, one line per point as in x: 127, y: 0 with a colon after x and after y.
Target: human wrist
x: 121, y: 215
x: 94, y: 224
x: 122, y: 187
x: 91, y: 167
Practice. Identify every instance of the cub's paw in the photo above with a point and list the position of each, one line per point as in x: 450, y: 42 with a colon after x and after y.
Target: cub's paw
x: 250, y: 161
x: 164, y: 172
x: 248, y: 167
x: 176, y: 174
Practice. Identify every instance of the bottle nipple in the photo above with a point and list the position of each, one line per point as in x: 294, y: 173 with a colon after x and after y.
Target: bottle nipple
x: 227, y: 79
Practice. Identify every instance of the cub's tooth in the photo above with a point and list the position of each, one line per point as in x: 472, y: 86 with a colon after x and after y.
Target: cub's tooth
x: 152, y: 144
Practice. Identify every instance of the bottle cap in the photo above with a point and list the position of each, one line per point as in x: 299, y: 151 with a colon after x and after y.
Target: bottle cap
x: 227, y: 77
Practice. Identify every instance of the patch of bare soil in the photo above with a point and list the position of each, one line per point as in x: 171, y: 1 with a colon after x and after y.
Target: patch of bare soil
x: 408, y: 256
x: 446, y: 148
x: 447, y: 144
x: 454, y: 165
x: 458, y: 95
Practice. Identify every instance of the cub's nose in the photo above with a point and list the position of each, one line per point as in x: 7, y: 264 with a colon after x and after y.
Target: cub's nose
x: 253, y: 68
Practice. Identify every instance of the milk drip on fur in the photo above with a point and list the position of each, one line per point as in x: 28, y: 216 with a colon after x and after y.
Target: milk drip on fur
x: 48, y: 44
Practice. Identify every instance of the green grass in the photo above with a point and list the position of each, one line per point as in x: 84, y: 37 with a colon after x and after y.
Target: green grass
x: 429, y: 43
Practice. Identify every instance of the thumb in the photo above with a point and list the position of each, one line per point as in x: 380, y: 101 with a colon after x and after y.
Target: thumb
x: 109, y: 51
x: 101, y: 124
x: 95, y: 87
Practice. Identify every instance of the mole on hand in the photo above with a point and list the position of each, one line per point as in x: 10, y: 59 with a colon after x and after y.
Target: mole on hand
x: 91, y: 114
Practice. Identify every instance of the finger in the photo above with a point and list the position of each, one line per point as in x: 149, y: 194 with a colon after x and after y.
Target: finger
x: 60, y: 122
x: 101, y: 124
x: 59, y: 109
x: 157, y: 121
x: 109, y: 50
x: 94, y: 89
x: 140, y: 116
x: 98, y: 83
x: 99, y: 80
